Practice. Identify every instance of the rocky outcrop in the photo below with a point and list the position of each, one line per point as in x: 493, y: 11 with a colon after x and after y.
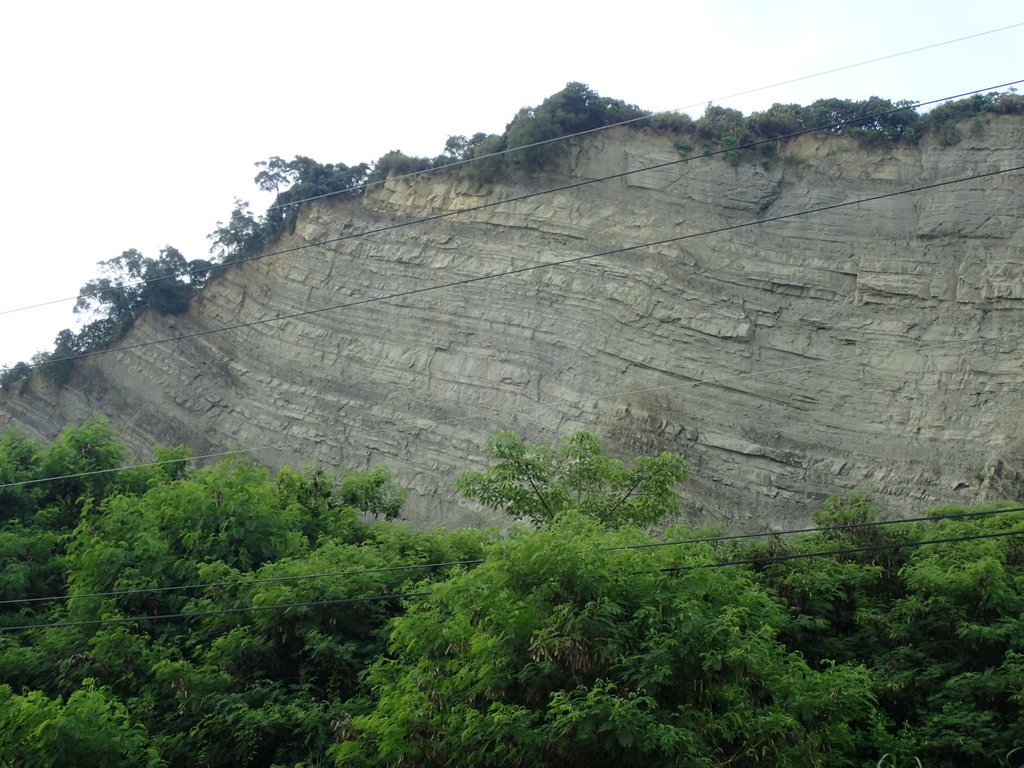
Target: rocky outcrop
x: 875, y: 346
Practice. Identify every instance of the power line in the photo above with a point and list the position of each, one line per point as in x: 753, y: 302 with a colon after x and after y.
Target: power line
x: 769, y: 559
x: 519, y: 198
x: 763, y: 560
x: 477, y: 561
x: 824, y: 529
x: 523, y: 270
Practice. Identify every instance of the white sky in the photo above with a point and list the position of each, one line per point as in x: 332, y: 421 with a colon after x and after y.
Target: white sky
x: 136, y: 124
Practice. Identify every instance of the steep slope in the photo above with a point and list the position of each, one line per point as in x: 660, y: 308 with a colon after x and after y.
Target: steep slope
x: 837, y: 350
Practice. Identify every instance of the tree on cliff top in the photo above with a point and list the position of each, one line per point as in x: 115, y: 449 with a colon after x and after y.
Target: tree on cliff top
x: 573, y: 109
x: 130, y: 284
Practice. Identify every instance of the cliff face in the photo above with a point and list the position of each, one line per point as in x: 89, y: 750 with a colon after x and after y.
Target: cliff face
x: 875, y: 346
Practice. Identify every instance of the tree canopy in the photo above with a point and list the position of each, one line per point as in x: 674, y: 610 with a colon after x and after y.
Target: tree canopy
x: 166, y: 614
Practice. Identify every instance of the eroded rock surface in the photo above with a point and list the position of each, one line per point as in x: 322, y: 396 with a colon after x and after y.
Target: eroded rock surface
x: 875, y: 346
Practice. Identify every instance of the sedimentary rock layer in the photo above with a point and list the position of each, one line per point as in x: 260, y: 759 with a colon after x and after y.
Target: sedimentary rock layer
x: 874, y: 346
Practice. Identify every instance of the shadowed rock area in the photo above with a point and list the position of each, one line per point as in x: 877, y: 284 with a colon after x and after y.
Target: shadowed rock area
x: 875, y: 346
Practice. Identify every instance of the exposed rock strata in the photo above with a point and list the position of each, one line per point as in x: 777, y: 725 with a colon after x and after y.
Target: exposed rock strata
x: 820, y: 353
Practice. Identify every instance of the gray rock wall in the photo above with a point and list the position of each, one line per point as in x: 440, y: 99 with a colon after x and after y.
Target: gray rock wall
x: 817, y: 354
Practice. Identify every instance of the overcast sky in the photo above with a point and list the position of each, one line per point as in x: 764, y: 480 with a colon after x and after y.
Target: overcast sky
x: 136, y: 125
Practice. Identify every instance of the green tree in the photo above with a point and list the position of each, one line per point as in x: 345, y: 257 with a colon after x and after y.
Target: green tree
x: 538, y: 483
x: 457, y: 148
x: 397, y: 163
x: 567, y: 648
x: 937, y: 624
x: 90, y: 728
x: 298, y: 180
x: 777, y: 120
x: 373, y: 493
x: 82, y: 463
x: 838, y: 603
x: 131, y: 284
x: 15, y: 374
x: 20, y: 461
x: 168, y: 282
x: 871, y: 120
x: 243, y: 235
x: 488, y: 164
x: 58, y: 366
x: 574, y: 109
x: 31, y: 567
x: 249, y: 619
x: 954, y: 669
x: 725, y: 128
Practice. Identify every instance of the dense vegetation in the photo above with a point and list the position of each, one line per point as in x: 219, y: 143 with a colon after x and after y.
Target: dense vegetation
x: 169, y: 615
x: 132, y: 283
